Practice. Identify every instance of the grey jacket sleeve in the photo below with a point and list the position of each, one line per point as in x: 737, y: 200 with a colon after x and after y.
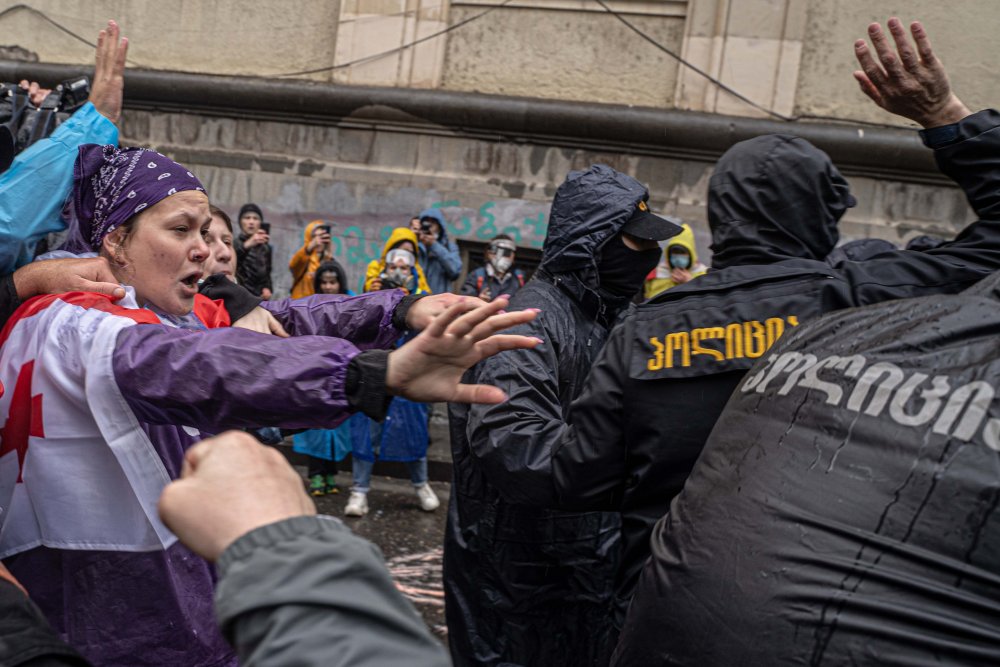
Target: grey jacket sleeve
x: 307, y: 591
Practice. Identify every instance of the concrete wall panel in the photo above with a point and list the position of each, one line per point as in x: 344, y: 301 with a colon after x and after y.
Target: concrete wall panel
x: 222, y: 36
x: 563, y: 55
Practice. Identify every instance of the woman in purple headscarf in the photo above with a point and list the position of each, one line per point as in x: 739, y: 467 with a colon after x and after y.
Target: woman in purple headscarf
x: 101, y: 401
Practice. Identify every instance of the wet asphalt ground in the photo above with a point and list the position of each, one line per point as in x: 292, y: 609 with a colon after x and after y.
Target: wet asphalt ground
x: 410, y: 539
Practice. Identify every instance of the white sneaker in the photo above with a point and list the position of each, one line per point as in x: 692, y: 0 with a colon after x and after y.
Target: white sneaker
x: 428, y: 499
x: 357, y: 504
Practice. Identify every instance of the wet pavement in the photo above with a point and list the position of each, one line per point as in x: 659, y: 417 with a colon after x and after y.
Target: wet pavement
x: 410, y: 539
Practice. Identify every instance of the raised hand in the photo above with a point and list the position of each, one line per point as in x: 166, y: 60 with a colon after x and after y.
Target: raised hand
x: 429, y: 368
x: 912, y: 84
x: 109, y: 73
x: 36, y: 94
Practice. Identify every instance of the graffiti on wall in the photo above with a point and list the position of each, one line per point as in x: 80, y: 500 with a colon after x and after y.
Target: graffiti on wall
x: 358, y: 239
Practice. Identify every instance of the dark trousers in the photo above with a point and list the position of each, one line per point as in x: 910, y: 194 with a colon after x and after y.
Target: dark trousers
x: 319, y: 466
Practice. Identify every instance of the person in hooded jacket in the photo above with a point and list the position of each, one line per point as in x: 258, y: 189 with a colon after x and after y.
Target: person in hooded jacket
x: 439, y: 255
x: 375, y: 273
x: 315, y: 250
x: 843, y: 510
x: 525, y: 585
x: 659, y: 384
x: 680, y: 264
x: 253, y: 252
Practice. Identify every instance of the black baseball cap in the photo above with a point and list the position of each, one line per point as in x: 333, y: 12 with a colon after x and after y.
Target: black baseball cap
x: 644, y: 224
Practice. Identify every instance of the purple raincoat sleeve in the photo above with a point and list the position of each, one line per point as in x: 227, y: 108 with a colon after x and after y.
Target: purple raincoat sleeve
x: 364, y: 320
x: 232, y: 378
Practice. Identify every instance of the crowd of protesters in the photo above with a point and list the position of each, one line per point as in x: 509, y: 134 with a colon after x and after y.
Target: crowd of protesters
x: 787, y: 457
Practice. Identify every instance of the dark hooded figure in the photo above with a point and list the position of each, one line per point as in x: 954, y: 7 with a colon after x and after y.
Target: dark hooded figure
x: 844, y: 509
x: 525, y: 585
x: 659, y: 384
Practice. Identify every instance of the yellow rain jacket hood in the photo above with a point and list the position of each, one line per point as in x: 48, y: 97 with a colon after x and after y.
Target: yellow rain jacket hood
x: 377, y: 266
x: 663, y: 281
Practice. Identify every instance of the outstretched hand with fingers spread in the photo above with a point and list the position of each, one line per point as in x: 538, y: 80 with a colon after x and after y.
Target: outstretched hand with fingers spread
x: 109, y: 72
x: 912, y: 84
x: 430, y: 367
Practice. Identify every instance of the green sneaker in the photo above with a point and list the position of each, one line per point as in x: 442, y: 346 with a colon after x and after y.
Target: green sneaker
x: 317, y: 487
x: 331, y: 484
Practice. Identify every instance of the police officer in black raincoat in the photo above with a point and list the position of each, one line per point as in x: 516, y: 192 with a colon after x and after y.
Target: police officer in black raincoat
x: 844, y: 510
x: 665, y: 374
x: 525, y: 585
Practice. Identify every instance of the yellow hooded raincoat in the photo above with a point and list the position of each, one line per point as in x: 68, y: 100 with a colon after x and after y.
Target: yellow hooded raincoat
x: 303, y: 264
x: 663, y: 281
x: 377, y: 266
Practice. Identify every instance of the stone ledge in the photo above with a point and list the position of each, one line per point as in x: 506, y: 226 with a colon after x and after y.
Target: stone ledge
x: 867, y: 151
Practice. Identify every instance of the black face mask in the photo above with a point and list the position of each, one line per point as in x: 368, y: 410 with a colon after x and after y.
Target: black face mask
x: 622, y: 270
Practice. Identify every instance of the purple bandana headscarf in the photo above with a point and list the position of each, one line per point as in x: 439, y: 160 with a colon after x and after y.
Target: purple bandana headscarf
x: 112, y: 184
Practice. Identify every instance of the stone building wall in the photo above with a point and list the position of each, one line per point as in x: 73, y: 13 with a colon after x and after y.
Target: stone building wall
x: 366, y: 181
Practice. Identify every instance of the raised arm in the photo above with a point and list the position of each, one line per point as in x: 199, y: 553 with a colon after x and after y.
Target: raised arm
x: 32, y: 191
x: 912, y: 82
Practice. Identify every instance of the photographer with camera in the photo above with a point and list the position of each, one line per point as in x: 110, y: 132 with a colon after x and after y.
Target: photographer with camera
x: 378, y: 275
x: 253, y: 252
x: 28, y: 209
x: 439, y: 256
x: 316, y: 249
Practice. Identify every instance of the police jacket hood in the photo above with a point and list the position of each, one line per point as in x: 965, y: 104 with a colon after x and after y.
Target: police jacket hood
x: 589, y: 208
x: 775, y: 197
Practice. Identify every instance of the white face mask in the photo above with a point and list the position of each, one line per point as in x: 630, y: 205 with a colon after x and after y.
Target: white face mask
x: 400, y: 276
x: 501, y: 264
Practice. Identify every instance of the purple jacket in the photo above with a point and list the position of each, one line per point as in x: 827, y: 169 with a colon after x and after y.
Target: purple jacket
x: 155, y: 607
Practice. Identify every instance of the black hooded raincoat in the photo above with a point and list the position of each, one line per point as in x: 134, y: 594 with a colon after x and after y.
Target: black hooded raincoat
x: 660, y: 383
x: 844, y: 509
x: 525, y: 585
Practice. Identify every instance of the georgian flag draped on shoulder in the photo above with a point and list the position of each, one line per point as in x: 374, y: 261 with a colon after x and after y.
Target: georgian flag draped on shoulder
x: 76, y: 469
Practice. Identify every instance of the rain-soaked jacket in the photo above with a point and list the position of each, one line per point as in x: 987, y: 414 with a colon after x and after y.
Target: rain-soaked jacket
x: 377, y: 266
x: 662, y: 279
x: 525, y: 585
x: 303, y: 264
x: 663, y: 378
x: 844, y: 509
x: 112, y: 409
